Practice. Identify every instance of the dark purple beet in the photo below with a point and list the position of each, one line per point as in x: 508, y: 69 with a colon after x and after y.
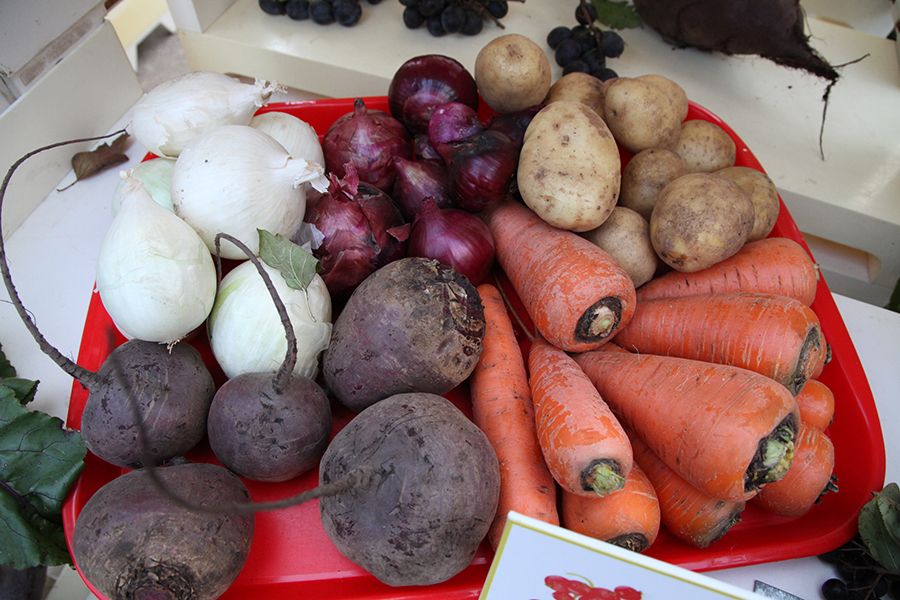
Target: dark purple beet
x: 773, y: 29
x: 131, y: 541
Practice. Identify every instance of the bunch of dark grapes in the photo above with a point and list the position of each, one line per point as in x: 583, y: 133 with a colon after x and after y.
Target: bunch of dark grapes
x: 861, y: 577
x: 323, y: 12
x: 441, y: 17
x: 586, y: 47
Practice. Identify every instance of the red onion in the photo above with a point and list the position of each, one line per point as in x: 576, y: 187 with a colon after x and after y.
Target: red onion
x: 452, y: 122
x: 423, y: 148
x: 513, y: 125
x: 369, y: 140
x: 363, y: 231
x: 418, y: 181
x: 454, y: 237
x: 481, y: 169
x: 425, y: 82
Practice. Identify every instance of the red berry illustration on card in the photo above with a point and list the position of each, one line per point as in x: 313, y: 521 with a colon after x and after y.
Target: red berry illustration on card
x: 582, y: 588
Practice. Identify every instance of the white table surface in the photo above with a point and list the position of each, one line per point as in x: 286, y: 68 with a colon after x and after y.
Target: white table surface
x: 52, y: 260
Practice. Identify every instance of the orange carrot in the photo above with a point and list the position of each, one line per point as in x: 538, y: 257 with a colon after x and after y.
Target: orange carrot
x: 502, y: 409
x: 725, y: 429
x: 583, y: 444
x: 576, y: 294
x: 809, y: 477
x: 816, y: 404
x: 776, y: 336
x: 777, y: 266
x: 689, y: 514
x: 628, y: 518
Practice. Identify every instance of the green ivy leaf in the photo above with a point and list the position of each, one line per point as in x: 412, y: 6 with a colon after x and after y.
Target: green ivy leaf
x: 6, y: 369
x: 617, y: 15
x: 23, y: 389
x: 873, y: 529
x: 888, y: 502
x: 39, y: 461
x: 297, y: 266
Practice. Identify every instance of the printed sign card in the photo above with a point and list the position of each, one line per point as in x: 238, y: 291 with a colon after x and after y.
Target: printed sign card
x: 538, y: 561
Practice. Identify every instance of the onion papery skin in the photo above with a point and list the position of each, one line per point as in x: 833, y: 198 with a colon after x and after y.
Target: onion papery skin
x: 246, y: 334
x: 155, y: 275
x: 237, y: 180
x: 418, y: 181
x: 369, y: 140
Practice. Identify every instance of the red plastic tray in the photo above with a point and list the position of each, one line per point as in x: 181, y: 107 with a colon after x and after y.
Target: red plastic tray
x: 291, y: 556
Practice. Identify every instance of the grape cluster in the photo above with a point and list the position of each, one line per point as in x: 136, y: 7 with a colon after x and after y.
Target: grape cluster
x: 584, y: 48
x: 441, y: 17
x: 860, y: 575
x: 323, y: 12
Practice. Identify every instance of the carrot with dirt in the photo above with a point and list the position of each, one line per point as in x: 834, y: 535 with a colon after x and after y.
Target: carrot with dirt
x: 689, y: 514
x: 582, y: 441
x: 777, y: 266
x: 816, y: 402
x: 808, y: 479
x: 776, y: 336
x: 502, y: 409
x: 575, y: 293
x: 628, y: 518
x: 726, y: 430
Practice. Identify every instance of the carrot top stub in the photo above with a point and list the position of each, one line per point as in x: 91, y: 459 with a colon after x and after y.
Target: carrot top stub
x: 575, y: 293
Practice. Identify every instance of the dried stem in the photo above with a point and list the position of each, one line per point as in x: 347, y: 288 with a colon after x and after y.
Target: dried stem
x: 283, y: 375
x: 360, y: 477
x: 87, y: 378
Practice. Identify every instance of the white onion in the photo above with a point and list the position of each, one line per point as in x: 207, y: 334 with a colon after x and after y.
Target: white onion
x: 247, y: 336
x: 176, y: 111
x: 156, y: 175
x: 296, y: 135
x: 236, y: 180
x: 155, y: 275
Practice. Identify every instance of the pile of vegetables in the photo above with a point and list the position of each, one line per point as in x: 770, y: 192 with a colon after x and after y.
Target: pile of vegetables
x: 373, y: 251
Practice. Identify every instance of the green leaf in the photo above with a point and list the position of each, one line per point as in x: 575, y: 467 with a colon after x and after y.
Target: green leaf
x: 617, y: 15
x: 39, y: 461
x: 888, y: 502
x: 297, y: 266
x: 23, y: 389
x: 27, y: 539
x: 874, y: 533
x: 6, y: 369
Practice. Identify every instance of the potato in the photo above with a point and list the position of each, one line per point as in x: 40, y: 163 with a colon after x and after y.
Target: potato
x: 704, y: 147
x: 675, y: 92
x: 699, y: 220
x: 644, y: 177
x: 569, y: 168
x: 763, y: 195
x: 625, y: 236
x: 512, y: 73
x: 579, y: 87
x: 641, y: 114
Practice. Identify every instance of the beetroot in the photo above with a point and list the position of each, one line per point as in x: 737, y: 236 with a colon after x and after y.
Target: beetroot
x: 131, y: 541
x: 773, y: 29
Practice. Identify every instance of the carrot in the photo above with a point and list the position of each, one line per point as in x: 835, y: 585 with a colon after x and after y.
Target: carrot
x: 816, y: 402
x: 776, y: 336
x: 628, y: 518
x: 502, y: 409
x: 575, y: 293
x: 726, y: 430
x: 689, y: 514
x: 582, y: 441
x: 777, y: 266
x: 809, y: 477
